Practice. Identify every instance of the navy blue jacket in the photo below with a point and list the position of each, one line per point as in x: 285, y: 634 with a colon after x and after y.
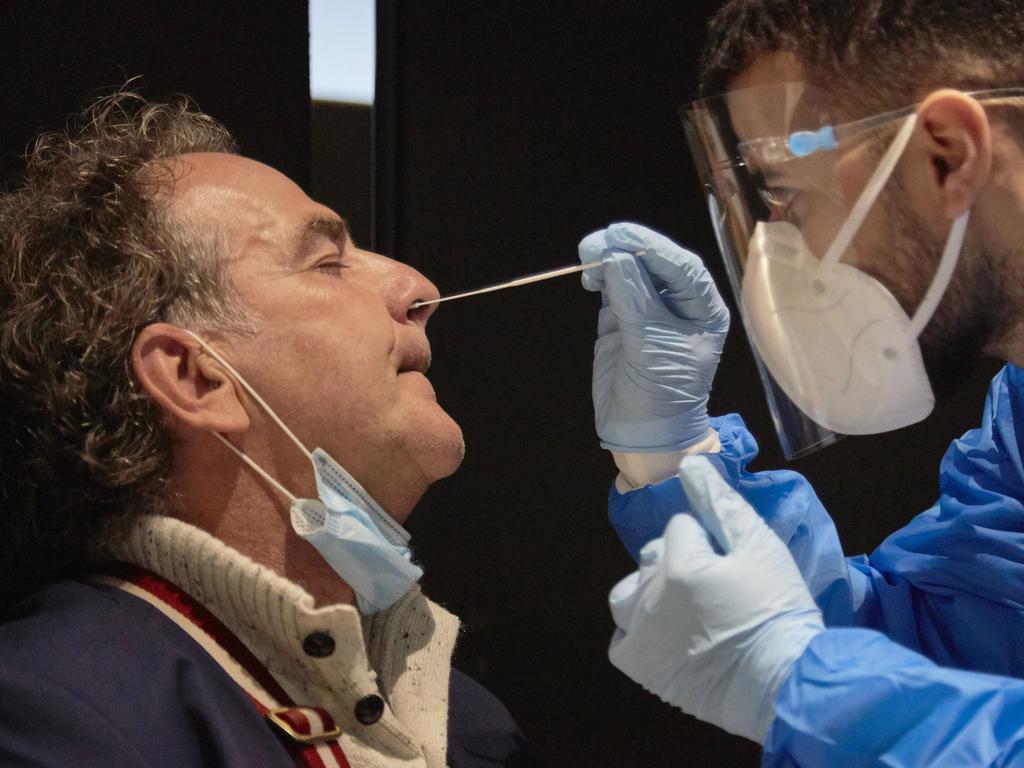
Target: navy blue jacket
x: 91, y: 676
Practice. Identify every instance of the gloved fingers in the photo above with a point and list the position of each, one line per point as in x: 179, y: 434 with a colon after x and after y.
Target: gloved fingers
x: 607, y: 350
x: 619, y: 651
x: 691, y: 292
x: 631, y: 295
x: 689, y: 548
x: 623, y: 600
x: 724, y: 513
x: 592, y: 248
x: 650, y: 555
x: 606, y: 321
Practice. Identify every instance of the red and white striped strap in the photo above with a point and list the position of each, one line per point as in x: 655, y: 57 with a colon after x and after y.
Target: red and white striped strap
x: 311, y: 733
x: 305, y: 725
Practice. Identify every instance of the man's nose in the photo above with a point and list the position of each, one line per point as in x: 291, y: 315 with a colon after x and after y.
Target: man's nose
x: 407, y: 287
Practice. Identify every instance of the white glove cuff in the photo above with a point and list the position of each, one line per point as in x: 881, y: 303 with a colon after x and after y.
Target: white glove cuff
x: 639, y: 469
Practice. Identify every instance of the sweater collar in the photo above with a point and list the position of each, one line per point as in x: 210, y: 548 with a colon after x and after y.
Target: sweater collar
x: 276, y: 619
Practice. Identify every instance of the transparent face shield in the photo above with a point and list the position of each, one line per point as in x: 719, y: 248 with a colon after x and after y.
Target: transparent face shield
x: 801, y: 206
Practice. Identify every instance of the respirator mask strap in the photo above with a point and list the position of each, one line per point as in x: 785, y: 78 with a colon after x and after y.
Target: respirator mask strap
x: 873, y: 188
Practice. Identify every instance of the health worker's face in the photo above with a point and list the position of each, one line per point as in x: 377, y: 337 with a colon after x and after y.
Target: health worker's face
x: 899, y: 243
x: 338, y: 354
x: 815, y: 193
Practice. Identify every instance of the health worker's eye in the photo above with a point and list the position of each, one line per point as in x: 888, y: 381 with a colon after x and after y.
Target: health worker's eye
x: 781, y: 201
x: 779, y: 197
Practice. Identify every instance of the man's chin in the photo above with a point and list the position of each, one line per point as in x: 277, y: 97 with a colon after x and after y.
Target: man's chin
x: 455, y: 452
x: 443, y: 451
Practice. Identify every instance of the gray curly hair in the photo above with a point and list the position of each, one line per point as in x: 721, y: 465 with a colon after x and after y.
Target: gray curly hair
x: 89, y: 254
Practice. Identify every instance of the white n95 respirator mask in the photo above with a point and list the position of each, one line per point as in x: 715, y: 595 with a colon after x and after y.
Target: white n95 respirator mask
x: 835, y: 341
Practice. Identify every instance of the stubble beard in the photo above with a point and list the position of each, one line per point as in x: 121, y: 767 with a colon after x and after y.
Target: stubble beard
x: 974, y: 309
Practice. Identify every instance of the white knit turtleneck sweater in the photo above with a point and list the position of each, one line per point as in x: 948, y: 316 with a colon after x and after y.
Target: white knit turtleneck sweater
x: 405, y: 655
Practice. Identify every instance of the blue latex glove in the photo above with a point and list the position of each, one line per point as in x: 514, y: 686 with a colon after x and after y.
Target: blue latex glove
x: 659, y: 337
x: 718, y: 612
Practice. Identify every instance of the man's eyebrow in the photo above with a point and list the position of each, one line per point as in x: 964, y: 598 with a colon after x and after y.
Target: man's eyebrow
x: 334, y: 229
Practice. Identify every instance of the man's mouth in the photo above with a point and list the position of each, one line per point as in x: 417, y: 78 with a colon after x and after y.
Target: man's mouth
x: 415, y: 358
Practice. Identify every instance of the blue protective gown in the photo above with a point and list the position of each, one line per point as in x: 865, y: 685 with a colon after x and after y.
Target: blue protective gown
x: 924, y: 651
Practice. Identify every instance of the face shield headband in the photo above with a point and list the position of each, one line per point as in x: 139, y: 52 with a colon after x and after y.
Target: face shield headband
x: 836, y: 352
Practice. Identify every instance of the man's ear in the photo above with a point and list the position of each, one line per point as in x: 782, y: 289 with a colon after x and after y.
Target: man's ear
x: 958, y: 140
x: 193, y: 389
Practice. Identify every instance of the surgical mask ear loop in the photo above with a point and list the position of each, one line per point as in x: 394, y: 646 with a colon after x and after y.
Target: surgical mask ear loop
x: 270, y: 412
x: 256, y: 467
x: 252, y: 392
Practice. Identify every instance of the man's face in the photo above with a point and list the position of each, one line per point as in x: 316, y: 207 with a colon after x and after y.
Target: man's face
x: 339, y: 355
x: 899, y: 243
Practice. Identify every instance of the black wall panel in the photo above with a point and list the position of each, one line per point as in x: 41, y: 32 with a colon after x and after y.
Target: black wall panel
x: 245, y: 63
x: 340, y: 175
x: 504, y: 133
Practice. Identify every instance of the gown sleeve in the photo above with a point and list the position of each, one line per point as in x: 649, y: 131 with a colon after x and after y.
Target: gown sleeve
x: 951, y: 583
x: 922, y: 658
x: 956, y: 567
x: 857, y: 699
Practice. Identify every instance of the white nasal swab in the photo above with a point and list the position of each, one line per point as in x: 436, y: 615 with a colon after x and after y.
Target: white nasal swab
x: 535, y: 278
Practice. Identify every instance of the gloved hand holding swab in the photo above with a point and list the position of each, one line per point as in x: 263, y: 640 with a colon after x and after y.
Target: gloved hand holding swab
x: 535, y: 278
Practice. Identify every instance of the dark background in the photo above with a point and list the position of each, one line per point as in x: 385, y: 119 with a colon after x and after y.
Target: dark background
x: 503, y: 133
x: 245, y: 63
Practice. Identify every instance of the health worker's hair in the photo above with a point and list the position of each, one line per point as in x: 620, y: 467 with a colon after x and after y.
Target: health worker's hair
x: 873, y: 55
x: 90, y: 253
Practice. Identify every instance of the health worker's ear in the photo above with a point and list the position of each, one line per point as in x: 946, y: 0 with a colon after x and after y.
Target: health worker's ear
x: 191, y: 387
x: 956, y: 138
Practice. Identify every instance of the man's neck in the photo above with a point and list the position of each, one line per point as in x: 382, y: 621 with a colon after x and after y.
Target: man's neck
x: 228, y: 501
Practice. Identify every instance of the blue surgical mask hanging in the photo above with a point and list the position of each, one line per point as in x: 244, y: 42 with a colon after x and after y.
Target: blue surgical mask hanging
x: 357, y: 538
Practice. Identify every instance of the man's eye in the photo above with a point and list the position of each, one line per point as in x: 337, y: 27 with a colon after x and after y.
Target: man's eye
x: 331, y: 266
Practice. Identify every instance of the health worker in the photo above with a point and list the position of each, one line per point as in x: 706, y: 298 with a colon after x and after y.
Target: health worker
x: 863, y: 164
